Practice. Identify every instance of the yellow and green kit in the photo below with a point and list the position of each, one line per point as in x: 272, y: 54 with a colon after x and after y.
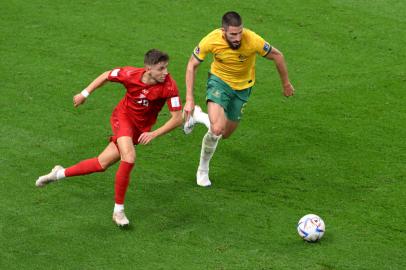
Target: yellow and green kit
x: 232, y: 72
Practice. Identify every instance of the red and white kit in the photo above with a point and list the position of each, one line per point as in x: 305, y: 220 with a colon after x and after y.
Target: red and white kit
x: 138, y: 110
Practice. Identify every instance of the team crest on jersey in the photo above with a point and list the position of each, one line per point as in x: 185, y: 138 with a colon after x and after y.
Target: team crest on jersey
x: 145, y: 91
x: 267, y: 46
x: 242, y: 58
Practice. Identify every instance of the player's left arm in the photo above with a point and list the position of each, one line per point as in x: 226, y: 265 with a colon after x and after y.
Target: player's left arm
x: 173, y: 122
x: 277, y: 56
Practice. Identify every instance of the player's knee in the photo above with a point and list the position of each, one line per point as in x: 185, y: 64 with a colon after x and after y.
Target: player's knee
x: 128, y: 157
x: 217, y: 130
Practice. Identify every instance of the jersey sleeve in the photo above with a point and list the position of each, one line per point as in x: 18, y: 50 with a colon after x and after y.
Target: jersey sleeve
x: 173, y: 101
x: 119, y: 74
x: 202, y: 49
x: 262, y: 47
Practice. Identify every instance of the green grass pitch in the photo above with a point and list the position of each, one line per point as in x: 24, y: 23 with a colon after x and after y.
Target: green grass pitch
x: 336, y: 149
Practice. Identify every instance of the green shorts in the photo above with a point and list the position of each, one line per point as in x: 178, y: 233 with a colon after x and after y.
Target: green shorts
x: 232, y: 101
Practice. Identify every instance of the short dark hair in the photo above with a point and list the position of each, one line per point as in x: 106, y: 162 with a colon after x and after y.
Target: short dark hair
x: 154, y: 56
x: 231, y: 18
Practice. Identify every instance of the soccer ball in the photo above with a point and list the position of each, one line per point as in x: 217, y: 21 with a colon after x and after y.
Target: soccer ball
x: 311, y: 228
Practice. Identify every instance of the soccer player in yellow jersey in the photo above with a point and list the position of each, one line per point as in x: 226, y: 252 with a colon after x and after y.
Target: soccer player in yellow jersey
x: 231, y: 77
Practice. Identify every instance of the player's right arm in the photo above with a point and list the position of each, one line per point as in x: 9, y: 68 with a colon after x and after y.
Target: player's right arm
x: 191, y: 70
x: 80, y: 98
x: 199, y: 54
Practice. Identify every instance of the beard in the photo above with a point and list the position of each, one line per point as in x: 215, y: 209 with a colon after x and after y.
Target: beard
x: 233, y: 46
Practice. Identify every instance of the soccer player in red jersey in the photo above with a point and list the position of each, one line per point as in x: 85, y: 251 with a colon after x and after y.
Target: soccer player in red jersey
x: 148, y: 89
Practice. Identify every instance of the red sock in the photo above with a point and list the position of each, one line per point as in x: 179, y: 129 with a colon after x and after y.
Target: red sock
x: 84, y: 167
x: 122, y: 181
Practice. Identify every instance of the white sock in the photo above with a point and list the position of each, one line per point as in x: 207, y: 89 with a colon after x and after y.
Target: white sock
x: 60, y: 174
x: 209, y: 145
x: 118, y: 207
x: 202, y: 118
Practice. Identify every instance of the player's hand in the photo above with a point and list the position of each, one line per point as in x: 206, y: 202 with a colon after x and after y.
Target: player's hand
x: 78, y: 100
x: 288, y: 90
x: 188, y: 109
x: 146, y: 137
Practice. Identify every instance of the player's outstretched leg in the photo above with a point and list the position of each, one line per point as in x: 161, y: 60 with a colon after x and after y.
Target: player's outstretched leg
x: 198, y: 117
x: 209, y: 144
x: 84, y: 167
x: 53, y: 176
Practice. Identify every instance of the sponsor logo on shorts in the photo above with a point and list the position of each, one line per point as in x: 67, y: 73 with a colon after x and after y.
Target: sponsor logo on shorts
x: 242, y: 109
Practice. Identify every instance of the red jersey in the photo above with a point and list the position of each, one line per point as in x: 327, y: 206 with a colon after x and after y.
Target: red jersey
x: 143, y: 102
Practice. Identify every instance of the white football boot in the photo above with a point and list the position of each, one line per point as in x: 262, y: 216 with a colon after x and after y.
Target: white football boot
x: 190, y: 124
x: 120, y: 219
x: 48, y: 178
x: 202, y: 178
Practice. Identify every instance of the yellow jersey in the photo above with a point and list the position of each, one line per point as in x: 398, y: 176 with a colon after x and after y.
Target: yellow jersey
x: 235, y: 67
